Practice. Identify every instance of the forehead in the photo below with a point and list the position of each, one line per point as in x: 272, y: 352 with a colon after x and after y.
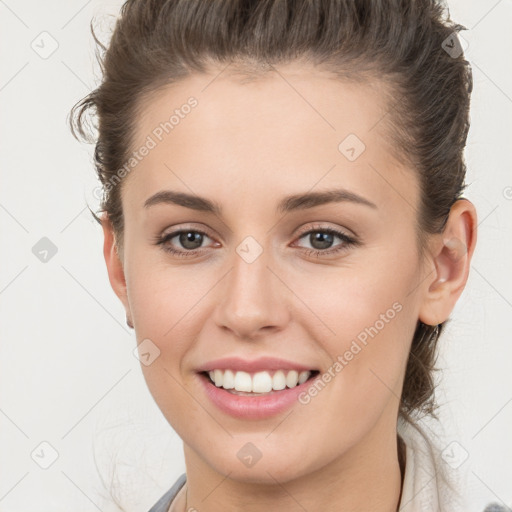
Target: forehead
x: 290, y: 101
x: 285, y: 130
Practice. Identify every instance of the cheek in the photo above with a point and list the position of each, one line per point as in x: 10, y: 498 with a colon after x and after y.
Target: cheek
x: 365, y: 322
x: 170, y: 306
x: 165, y: 305
x: 347, y: 301
x: 165, y: 302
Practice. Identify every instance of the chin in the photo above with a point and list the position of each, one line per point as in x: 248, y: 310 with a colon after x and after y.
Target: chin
x: 244, y: 462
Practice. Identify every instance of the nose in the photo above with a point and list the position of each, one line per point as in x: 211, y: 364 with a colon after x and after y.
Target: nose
x: 253, y: 301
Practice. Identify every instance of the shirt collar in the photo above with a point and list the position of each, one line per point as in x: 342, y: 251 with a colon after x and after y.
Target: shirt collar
x: 427, y: 486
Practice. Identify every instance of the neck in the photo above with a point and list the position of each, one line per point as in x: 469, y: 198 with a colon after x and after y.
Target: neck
x: 368, y: 477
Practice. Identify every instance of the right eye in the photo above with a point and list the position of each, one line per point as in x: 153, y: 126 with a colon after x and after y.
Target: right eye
x: 189, y: 239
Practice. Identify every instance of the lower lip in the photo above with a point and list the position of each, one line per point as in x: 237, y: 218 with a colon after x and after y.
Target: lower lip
x: 253, y: 407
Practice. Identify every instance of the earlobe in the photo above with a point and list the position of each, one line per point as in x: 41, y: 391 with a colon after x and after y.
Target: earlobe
x: 115, y: 266
x: 452, y: 260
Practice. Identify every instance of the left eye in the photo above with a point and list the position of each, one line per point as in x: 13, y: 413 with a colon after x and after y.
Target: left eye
x: 322, y: 240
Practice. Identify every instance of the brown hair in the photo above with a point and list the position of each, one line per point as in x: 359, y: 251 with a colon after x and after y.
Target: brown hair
x: 409, y: 45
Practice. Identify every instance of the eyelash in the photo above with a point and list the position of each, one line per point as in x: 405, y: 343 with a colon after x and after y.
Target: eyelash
x: 347, y: 242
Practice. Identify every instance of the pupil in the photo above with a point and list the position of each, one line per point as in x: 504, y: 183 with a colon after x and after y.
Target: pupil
x: 190, y: 237
x: 323, y: 239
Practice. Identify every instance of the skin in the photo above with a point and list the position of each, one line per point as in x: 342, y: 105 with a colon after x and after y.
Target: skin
x: 245, y: 146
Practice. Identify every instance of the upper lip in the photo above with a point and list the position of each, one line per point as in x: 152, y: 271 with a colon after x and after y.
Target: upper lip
x: 254, y: 365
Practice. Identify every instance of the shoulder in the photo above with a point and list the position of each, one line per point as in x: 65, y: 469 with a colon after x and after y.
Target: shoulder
x: 430, y: 484
x: 163, y: 504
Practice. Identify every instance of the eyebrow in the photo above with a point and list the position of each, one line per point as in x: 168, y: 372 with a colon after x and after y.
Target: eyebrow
x: 287, y: 204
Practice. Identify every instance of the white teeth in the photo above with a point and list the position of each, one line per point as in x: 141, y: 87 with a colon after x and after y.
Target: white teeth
x: 303, y: 377
x: 278, y: 381
x: 218, y: 374
x: 260, y: 382
x: 243, y: 381
x: 228, y: 380
x: 292, y: 379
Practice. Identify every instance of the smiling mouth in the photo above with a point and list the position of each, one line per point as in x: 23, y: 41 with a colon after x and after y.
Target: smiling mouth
x: 258, y: 383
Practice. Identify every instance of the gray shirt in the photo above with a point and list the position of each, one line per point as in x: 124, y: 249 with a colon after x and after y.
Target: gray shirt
x: 163, y: 504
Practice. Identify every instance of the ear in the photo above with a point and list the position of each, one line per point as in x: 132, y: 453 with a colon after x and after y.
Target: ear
x: 115, y: 266
x: 451, y: 257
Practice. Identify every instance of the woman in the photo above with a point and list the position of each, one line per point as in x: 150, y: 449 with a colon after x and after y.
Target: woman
x: 285, y: 227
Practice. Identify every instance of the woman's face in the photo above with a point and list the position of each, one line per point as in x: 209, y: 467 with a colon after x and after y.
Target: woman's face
x: 266, y: 276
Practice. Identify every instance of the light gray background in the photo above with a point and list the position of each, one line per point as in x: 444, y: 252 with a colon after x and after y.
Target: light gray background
x: 67, y: 371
